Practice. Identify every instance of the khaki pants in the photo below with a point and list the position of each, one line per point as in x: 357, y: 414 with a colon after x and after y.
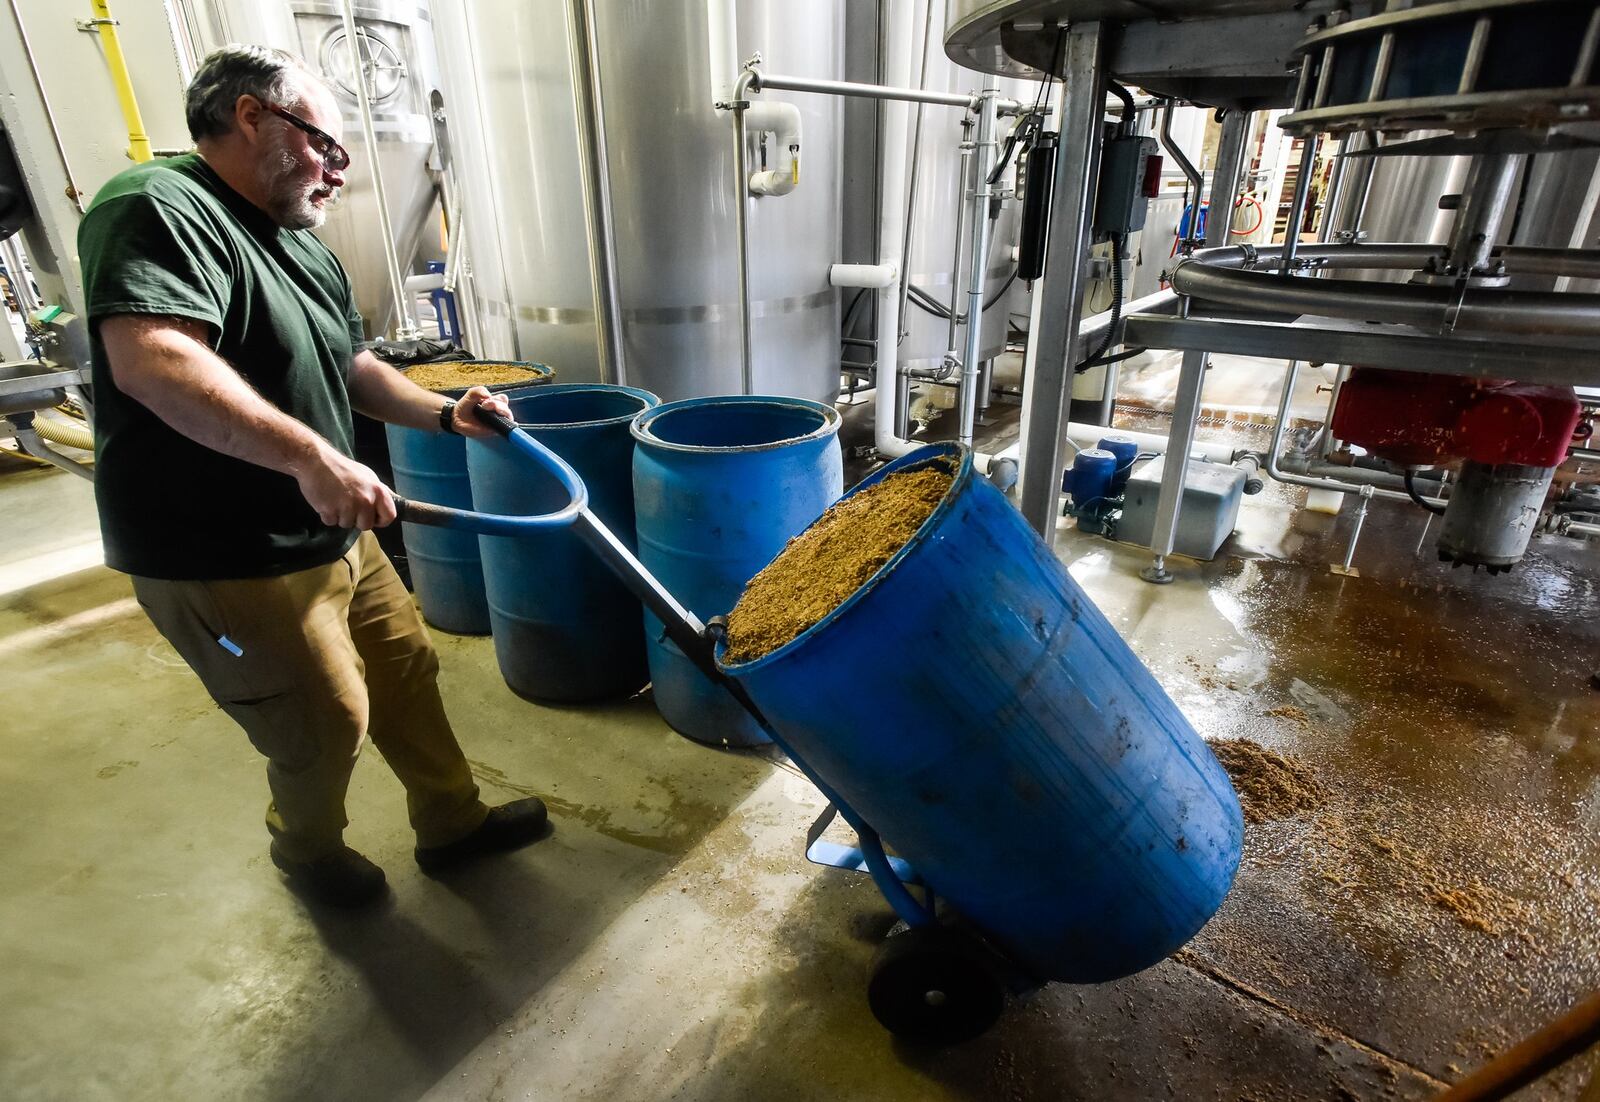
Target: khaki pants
x: 325, y: 657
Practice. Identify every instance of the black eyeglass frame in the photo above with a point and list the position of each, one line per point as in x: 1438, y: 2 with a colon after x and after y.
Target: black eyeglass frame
x: 334, y: 157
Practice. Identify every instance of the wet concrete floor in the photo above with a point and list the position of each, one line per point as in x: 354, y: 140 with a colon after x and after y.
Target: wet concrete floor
x: 668, y: 940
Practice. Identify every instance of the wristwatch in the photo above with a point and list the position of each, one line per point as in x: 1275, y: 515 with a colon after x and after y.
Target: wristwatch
x: 447, y: 417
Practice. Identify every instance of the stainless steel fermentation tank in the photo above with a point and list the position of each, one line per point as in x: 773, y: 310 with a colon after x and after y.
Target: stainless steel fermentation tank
x: 508, y: 100
x: 396, y: 38
x: 933, y: 215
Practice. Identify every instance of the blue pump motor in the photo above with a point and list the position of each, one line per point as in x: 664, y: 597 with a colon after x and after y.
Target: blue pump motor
x: 1093, y: 470
x: 1126, y: 452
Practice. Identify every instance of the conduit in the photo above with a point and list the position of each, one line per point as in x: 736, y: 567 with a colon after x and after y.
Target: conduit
x: 138, y: 140
x: 67, y: 435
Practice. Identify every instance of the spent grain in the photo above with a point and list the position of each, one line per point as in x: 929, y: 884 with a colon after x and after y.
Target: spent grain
x: 457, y: 374
x: 825, y: 564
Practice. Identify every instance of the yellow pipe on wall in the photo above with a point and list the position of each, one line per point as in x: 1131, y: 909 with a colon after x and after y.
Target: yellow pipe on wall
x: 138, y: 140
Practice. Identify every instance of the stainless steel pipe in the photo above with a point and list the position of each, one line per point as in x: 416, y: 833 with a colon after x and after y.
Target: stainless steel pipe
x: 741, y: 215
x: 1519, y: 259
x: 765, y: 82
x: 916, y: 170
x: 1275, y: 467
x: 1196, y: 181
x: 1320, y: 255
x: 1219, y: 275
x: 1534, y: 260
x: 984, y: 150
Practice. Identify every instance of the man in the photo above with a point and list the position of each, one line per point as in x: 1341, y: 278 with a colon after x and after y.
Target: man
x: 227, y: 358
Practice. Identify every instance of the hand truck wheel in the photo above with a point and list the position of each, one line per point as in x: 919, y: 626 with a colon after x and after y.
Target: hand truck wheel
x: 932, y: 986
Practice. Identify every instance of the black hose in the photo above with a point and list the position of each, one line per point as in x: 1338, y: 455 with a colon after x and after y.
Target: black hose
x: 1115, y: 358
x: 1411, y: 489
x: 1019, y: 133
x: 928, y: 304
x: 1126, y: 125
x: 848, y: 327
x: 1116, y: 309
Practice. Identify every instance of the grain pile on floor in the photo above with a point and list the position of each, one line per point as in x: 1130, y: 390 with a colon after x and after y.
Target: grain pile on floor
x: 1398, y: 861
x: 1371, y: 851
x: 829, y: 561
x: 460, y: 374
x: 1270, y: 786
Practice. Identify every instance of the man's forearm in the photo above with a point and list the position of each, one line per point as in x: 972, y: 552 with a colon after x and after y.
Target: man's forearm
x: 381, y: 392
x: 173, y: 372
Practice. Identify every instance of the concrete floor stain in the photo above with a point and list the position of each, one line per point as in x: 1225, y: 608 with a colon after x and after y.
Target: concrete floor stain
x: 683, y: 819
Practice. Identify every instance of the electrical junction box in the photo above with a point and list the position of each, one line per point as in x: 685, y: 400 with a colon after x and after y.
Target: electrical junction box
x: 1207, y: 516
x: 1126, y: 183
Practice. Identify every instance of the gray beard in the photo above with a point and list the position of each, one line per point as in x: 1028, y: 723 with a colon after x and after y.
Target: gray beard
x: 287, y: 203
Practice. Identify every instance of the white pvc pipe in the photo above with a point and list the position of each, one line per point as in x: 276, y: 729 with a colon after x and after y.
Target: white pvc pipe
x: 900, y: 32
x: 783, y: 121
x: 864, y: 275
x: 1087, y: 436
x: 426, y: 281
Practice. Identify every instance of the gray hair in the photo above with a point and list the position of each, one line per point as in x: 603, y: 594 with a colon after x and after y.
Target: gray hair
x: 271, y: 76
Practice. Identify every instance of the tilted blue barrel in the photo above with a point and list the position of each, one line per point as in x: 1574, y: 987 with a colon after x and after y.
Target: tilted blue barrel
x: 981, y: 714
x: 564, y: 628
x: 446, y: 572
x: 720, y: 485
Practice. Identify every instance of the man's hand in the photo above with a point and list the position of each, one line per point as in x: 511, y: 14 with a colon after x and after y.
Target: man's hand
x: 167, y: 364
x: 465, y: 418
x: 344, y: 493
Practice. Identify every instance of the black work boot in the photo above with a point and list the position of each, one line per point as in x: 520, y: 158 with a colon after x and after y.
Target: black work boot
x: 343, y: 878
x: 508, y: 826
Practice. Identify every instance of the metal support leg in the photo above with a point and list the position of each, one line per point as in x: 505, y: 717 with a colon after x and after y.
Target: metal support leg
x: 1185, y: 417
x: 1052, y: 352
x: 1225, y: 179
x: 1355, y: 535
x: 1302, y: 195
x: 21, y: 425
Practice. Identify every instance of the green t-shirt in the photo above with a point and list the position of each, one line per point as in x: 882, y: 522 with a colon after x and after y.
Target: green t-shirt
x: 170, y: 237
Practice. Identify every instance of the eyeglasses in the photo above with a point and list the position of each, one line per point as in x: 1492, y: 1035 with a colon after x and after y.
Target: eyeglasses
x: 334, y: 157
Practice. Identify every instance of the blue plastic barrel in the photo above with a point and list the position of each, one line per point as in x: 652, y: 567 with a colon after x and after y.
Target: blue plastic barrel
x: 981, y: 714
x: 446, y: 572
x: 564, y: 628
x: 721, y: 484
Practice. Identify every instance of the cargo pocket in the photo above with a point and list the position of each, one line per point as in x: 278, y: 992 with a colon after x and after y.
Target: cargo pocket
x: 276, y: 727
x: 189, y: 617
x: 196, y: 622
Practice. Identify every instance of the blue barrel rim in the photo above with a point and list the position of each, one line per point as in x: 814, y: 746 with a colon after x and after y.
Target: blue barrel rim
x: 544, y: 390
x: 458, y: 392
x: 831, y: 422
x: 923, y: 457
